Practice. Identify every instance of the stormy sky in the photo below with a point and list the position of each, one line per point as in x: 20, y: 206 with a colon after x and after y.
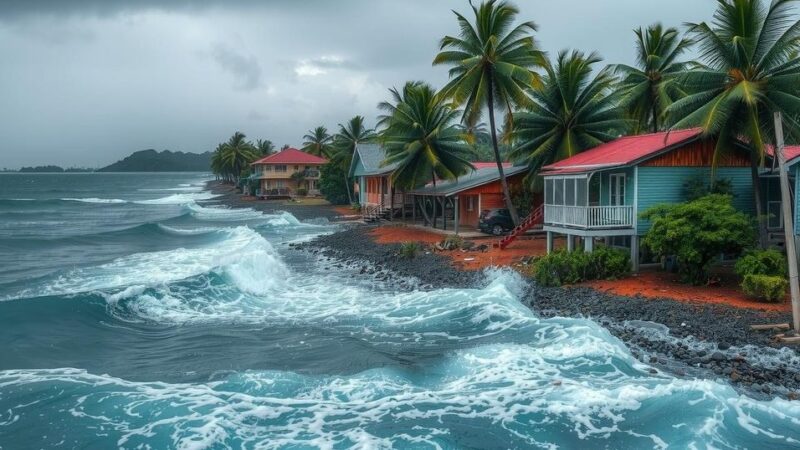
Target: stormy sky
x: 86, y: 82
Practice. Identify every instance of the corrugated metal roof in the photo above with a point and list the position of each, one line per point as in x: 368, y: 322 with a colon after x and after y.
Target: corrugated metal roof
x: 371, y: 157
x: 621, y: 152
x: 465, y: 182
x: 291, y: 156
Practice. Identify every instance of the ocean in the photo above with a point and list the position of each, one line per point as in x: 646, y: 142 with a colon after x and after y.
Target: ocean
x: 136, y: 311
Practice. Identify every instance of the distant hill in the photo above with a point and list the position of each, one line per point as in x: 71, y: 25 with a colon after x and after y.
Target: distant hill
x: 165, y: 161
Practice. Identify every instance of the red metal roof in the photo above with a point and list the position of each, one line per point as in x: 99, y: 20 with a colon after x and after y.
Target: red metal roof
x: 621, y: 152
x: 789, y: 151
x: 484, y: 165
x: 291, y: 156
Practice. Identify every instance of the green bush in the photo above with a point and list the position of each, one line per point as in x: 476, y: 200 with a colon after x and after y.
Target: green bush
x: 302, y: 192
x: 764, y: 287
x: 409, y: 250
x: 762, y: 262
x: 697, y: 232
x: 562, y: 267
x: 452, y: 242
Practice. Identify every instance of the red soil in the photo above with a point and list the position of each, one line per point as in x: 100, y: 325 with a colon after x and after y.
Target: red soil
x: 658, y: 284
x: 649, y: 283
x: 512, y: 255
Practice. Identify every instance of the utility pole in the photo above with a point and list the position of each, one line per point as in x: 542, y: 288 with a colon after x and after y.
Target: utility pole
x: 788, y: 223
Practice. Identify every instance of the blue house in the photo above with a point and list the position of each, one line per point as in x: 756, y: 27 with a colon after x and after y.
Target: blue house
x: 599, y: 194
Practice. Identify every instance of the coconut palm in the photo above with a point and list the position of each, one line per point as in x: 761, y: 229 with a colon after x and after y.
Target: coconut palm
x: 572, y: 112
x: 351, y: 134
x: 492, y: 66
x: 265, y: 147
x: 237, y: 154
x: 419, y: 135
x: 649, y: 87
x: 750, y: 74
x: 318, y: 142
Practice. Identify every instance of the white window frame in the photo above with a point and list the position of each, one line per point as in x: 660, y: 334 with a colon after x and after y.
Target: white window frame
x: 281, y: 168
x: 623, y: 185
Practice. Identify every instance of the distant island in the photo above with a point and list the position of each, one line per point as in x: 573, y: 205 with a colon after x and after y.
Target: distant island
x: 164, y: 161
x: 52, y: 169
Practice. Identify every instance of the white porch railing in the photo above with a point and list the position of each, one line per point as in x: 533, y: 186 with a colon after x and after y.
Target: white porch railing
x: 589, y: 217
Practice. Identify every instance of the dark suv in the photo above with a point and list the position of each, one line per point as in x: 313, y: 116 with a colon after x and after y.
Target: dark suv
x: 495, y: 221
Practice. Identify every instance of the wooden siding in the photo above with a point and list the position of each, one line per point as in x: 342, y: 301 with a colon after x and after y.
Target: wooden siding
x: 796, y: 198
x: 495, y: 187
x: 698, y: 154
x: 465, y: 217
x: 666, y: 185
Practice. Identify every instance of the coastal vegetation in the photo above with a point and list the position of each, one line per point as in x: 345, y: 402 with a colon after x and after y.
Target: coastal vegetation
x: 232, y: 158
x: 697, y: 232
x: 164, y: 161
x: 764, y: 274
x: 568, y: 267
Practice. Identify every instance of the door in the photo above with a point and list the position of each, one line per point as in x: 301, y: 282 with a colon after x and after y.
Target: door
x: 617, y: 198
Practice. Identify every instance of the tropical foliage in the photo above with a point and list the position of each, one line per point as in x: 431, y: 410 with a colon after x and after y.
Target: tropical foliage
x: 318, y: 142
x: 350, y: 134
x: 420, y: 136
x: 648, y: 88
x: 233, y: 157
x: 697, y: 232
x: 750, y: 73
x: 492, y: 67
x: 265, y: 147
x: 574, y: 110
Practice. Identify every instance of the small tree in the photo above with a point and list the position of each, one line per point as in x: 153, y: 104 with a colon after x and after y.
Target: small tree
x: 697, y: 232
x: 333, y: 185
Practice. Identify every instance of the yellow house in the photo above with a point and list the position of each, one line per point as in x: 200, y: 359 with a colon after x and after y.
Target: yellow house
x: 290, y: 172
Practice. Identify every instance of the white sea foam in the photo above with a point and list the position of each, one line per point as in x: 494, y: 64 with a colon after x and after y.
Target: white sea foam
x: 243, y: 248
x: 95, y: 200
x: 188, y: 231
x: 221, y: 213
x: 178, y: 199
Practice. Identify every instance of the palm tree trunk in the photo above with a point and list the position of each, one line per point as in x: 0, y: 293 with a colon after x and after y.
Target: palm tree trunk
x: 349, y: 189
x: 503, y: 182
x: 655, y: 119
x: 763, y: 234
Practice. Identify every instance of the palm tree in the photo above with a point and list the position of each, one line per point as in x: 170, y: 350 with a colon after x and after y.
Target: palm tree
x: 351, y: 134
x: 650, y: 87
x: 265, y: 147
x: 318, y: 142
x: 750, y: 74
x: 420, y: 135
x: 492, y: 67
x: 237, y: 154
x: 572, y: 112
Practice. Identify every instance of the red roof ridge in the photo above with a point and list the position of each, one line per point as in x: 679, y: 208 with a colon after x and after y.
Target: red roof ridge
x: 291, y: 155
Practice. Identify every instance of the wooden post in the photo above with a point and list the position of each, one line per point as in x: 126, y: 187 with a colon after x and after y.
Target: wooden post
x: 456, y: 213
x: 444, y: 213
x: 434, y: 211
x: 788, y: 222
x: 549, y: 242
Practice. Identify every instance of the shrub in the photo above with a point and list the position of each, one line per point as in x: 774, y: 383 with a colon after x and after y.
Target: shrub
x: 302, y: 192
x: 409, y: 250
x: 562, y: 267
x: 333, y: 184
x: 452, y: 242
x: 765, y: 287
x: 697, y: 232
x: 762, y: 262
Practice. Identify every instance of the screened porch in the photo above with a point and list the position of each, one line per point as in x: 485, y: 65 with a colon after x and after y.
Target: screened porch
x: 587, y: 201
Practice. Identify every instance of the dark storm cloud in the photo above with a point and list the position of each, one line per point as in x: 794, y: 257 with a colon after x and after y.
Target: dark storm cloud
x: 87, y: 81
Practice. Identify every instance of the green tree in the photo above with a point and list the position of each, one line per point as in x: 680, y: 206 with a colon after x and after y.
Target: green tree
x: 572, y: 112
x: 492, y: 66
x: 333, y: 184
x: 351, y: 134
x: 697, y: 232
x: 231, y: 158
x: 420, y: 135
x: 264, y: 147
x: 750, y: 73
x: 649, y: 87
x: 318, y: 142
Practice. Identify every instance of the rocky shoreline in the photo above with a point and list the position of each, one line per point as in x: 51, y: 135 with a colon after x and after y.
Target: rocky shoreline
x: 677, y: 337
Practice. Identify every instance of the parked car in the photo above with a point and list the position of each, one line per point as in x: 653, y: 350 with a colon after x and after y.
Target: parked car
x: 495, y: 221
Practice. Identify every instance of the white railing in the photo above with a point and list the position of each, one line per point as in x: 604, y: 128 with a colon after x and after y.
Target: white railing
x: 589, y: 216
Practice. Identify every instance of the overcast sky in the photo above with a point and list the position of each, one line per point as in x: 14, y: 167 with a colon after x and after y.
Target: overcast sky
x: 86, y: 82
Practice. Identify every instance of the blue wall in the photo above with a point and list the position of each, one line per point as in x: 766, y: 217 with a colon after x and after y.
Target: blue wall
x: 666, y: 185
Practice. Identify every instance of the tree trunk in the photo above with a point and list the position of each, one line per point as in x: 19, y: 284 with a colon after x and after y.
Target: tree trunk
x: 763, y: 234
x: 349, y: 189
x: 655, y: 118
x: 503, y: 182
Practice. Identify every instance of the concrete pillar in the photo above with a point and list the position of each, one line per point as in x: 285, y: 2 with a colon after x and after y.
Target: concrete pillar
x: 549, y: 242
x: 456, y: 214
x: 570, y: 242
x: 635, y: 253
x: 588, y: 244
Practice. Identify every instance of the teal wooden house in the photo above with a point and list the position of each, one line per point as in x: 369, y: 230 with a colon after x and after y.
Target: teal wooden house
x: 600, y: 193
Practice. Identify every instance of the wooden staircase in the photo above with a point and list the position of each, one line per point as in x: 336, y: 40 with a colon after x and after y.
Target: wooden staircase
x: 536, y: 217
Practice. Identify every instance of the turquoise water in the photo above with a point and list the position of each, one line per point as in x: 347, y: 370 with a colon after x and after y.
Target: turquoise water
x: 137, y: 312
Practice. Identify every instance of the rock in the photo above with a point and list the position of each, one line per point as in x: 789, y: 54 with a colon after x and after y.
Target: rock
x: 723, y: 346
x: 718, y: 356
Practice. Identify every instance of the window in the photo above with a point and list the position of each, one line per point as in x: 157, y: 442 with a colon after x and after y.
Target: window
x: 548, y: 190
x: 558, y: 191
x: 280, y: 168
x: 280, y: 183
x: 580, y: 191
x: 470, y: 203
x: 296, y: 168
x: 267, y: 168
x: 775, y: 220
x: 617, y: 189
x: 569, y: 192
